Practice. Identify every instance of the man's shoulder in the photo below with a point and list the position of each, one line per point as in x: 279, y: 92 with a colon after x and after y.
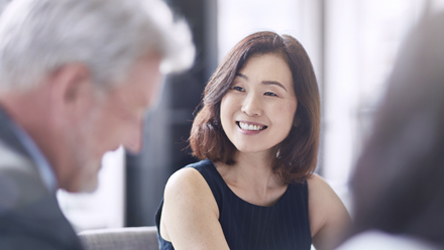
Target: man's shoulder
x: 30, y: 217
x: 19, y: 180
x: 10, y: 159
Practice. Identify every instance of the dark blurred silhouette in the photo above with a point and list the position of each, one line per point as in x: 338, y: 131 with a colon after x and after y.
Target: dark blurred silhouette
x: 398, y: 187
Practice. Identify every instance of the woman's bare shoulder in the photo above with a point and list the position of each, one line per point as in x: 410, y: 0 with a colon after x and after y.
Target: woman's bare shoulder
x: 318, y: 186
x: 187, y: 185
x: 323, y: 201
x: 190, y: 213
x: 185, y: 178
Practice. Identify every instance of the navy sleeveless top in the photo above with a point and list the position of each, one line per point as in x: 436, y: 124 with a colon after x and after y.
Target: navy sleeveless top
x: 246, y: 226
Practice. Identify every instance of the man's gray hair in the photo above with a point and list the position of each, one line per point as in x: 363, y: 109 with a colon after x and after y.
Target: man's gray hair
x: 39, y: 36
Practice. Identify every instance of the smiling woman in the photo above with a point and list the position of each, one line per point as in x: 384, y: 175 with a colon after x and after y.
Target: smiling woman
x: 301, y: 147
x: 257, y: 111
x: 257, y: 136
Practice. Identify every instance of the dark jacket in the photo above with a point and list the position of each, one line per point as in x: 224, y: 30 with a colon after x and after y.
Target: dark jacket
x: 30, y: 217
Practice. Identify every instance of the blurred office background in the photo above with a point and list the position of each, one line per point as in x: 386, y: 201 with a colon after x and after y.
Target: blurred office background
x: 352, y: 44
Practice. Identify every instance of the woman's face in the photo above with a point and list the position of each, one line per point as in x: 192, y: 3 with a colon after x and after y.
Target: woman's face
x: 257, y: 111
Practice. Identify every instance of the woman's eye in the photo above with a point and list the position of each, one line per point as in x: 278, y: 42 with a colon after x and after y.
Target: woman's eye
x: 238, y: 88
x: 270, y: 94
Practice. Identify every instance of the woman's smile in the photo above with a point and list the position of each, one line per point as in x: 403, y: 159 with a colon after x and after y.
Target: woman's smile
x: 250, y: 126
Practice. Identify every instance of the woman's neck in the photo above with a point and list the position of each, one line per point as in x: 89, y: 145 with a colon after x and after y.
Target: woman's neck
x: 252, y: 178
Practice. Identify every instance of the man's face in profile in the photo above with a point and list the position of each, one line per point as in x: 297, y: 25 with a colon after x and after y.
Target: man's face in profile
x: 114, y: 119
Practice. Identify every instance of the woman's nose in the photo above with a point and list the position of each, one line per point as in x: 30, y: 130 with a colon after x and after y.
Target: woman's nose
x: 252, y: 105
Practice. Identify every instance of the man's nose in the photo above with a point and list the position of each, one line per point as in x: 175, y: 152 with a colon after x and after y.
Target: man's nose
x: 134, y: 139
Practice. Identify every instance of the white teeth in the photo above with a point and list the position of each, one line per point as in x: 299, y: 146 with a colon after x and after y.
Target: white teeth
x: 245, y: 126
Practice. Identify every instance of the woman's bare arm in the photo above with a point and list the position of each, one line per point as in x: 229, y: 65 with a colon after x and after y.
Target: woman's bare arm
x: 329, y: 218
x: 190, y: 215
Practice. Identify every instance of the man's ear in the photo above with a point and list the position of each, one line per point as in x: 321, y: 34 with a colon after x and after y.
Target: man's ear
x: 71, y: 89
x: 69, y: 81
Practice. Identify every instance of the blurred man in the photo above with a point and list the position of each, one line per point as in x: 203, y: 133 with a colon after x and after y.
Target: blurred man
x: 76, y: 78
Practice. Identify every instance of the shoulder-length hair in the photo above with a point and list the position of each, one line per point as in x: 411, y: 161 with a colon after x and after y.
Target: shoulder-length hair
x: 297, y: 156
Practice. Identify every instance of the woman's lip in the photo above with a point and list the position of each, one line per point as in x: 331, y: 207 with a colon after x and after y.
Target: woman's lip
x: 253, y: 123
x: 255, y: 128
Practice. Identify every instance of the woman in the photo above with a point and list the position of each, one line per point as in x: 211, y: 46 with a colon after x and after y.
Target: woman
x: 258, y: 136
x: 398, y: 188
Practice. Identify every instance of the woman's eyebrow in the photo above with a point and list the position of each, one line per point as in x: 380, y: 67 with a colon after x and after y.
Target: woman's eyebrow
x: 242, y: 75
x: 274, y: 83
x: 263, y: 82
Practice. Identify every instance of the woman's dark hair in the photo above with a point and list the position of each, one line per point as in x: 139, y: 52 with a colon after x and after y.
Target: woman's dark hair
x: 298, y: 152
x: 398, y: 183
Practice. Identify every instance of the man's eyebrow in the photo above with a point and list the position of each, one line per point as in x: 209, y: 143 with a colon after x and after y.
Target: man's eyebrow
x: 263, y: 82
